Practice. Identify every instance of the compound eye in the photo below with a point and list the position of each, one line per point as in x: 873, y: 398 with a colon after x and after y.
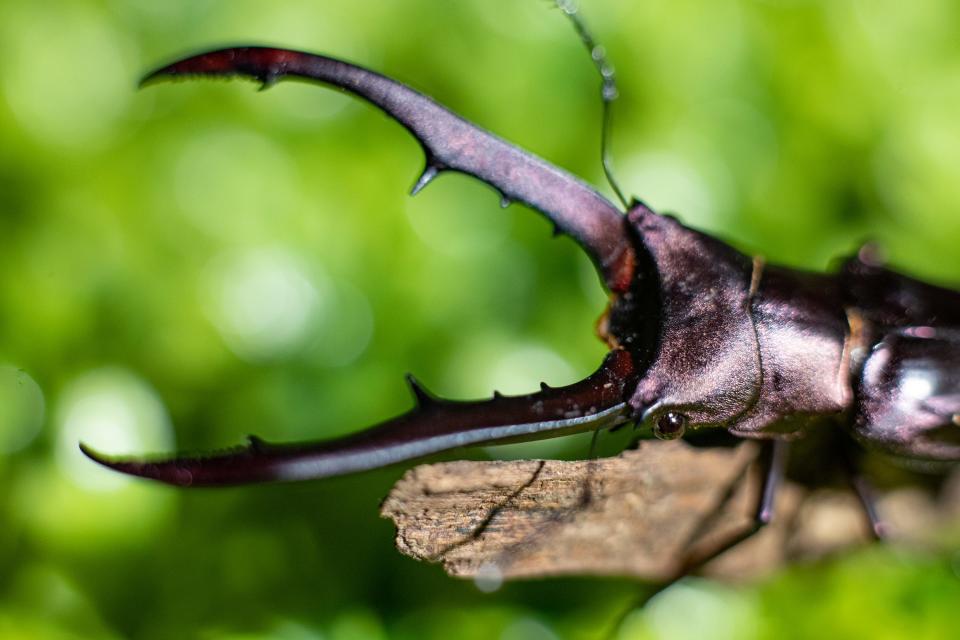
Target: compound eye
x: 670, y: 425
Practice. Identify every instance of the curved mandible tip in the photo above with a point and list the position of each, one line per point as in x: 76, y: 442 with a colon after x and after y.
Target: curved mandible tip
x: 450, y: 143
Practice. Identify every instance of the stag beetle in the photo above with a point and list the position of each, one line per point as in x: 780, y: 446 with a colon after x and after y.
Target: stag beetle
x: 701, y: 336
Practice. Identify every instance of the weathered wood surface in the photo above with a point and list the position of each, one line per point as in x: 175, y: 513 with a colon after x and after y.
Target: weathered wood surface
x: 631, y: 515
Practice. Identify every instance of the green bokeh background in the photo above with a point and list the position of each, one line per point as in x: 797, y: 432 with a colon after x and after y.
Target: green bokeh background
x: 187, y: 264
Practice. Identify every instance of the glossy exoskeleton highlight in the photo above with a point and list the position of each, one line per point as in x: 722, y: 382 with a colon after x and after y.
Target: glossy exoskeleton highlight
x: 701, y: 336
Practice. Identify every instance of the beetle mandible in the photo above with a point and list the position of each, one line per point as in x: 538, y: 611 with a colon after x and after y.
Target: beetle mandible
x: 701, y: 336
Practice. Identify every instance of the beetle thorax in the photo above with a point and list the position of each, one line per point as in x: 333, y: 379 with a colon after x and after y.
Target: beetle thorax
x: 727, y: 350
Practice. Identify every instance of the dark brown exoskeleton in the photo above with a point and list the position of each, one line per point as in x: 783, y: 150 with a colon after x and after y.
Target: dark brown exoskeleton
x: 701, y: 336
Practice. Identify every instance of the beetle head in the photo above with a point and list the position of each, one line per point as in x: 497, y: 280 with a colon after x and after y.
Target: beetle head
x: 687, y: 321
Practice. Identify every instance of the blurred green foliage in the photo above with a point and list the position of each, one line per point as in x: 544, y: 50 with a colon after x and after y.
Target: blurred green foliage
x: 184, y: 265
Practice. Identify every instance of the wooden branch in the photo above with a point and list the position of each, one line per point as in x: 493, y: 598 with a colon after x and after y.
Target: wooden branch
x: 633, y: 515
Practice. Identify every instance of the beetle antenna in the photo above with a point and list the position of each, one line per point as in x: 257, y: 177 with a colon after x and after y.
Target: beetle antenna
x: 608, y: 88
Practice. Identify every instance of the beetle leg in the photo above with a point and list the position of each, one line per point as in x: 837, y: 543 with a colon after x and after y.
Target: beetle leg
x: 720, y: 507
x: 433, y: 425
x: 450, y: 143
x: 868, y: 499
x: 773, y: 459
x: 850, y: 457
x: 594, y: 441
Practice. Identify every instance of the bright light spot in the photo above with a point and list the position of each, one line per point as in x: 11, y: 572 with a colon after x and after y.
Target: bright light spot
x: 694, y: 609
x: 634, y: 626
x: 55, y: 97
x: 521, y: 368
x: 357, y: 625
x: 114, y: 412
x: 280, y: 629
x: 234, y: 184
x: 528, y: 629
x: 917, y: 385
x: 670, y: 184
x: 292, y: 630
x: 926, y: 333
x: 264, y: 303
x: 21, y: 409
x: 344, y: 333
x: 489, y: 577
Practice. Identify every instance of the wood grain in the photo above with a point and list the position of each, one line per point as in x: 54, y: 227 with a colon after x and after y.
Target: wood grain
x: 635, y: 515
